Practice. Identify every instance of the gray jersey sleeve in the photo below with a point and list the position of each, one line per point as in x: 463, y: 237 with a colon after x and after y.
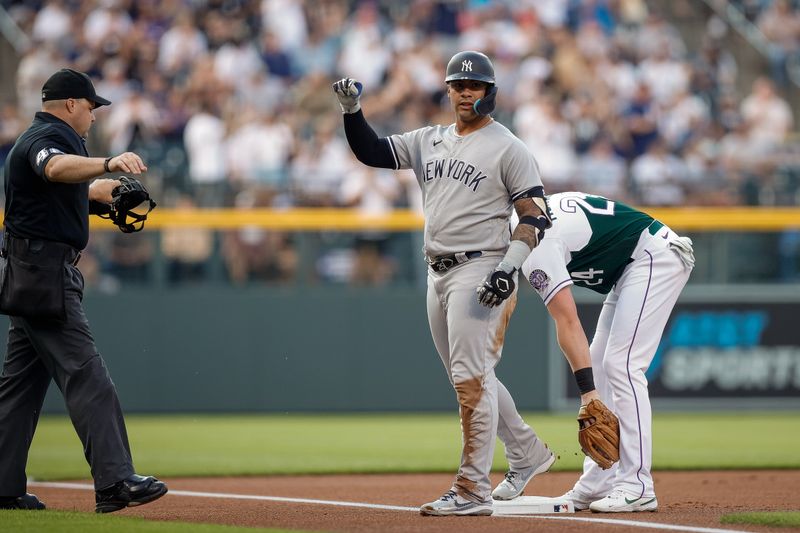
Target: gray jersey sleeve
x: 520, y: 170
x: 406, y: 148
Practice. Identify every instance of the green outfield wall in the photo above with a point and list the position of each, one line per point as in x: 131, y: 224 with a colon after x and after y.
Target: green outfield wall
x: 325, y: 348
x: 292, y: 349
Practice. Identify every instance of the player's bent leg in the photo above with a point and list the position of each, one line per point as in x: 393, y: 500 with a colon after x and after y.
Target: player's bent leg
x: 647, y: 293
x: 631, y: 402
x: 527, y: 455
x: 518, y: 437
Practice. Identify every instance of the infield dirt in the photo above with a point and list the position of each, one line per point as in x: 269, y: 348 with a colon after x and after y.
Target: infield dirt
x: 695, y: 499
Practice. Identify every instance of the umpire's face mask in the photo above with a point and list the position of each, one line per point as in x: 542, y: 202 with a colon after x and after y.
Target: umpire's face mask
x: 133, y: 220
x: 130, y: 205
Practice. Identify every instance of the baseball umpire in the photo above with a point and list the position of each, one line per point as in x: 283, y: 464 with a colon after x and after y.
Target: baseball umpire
x: 472, y: 173
x: 47, y: 207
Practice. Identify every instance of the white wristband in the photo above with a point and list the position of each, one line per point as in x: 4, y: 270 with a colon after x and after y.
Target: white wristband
x: 516, y: 254
x: 350, y: 109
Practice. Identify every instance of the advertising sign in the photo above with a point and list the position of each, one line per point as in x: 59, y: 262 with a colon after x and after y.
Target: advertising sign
x: 721, y: 350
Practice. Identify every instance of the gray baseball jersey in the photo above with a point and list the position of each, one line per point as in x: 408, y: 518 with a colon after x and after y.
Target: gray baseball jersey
x: 468, y: 184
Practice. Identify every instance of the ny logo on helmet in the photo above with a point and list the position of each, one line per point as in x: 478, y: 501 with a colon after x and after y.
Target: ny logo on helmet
x: 466, y: 66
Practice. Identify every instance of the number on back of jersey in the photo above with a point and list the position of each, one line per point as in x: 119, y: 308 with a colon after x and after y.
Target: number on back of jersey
x: 588, y: 277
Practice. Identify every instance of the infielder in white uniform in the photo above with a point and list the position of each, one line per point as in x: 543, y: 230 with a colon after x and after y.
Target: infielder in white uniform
x: 471, y: 174
x: 642, y: 265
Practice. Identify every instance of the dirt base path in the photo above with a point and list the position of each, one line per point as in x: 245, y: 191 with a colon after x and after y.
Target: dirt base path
x: 693, y: 499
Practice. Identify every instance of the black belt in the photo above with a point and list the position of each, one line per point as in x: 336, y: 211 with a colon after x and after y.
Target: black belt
x: 445, y: 262
x: 46, y: 248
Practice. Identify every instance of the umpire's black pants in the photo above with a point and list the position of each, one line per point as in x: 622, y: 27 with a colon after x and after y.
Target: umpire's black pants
x: 39, y: 350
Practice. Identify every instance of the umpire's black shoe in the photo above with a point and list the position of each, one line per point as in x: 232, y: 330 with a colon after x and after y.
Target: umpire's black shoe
x: 28, y: 502
x: 130, y: 492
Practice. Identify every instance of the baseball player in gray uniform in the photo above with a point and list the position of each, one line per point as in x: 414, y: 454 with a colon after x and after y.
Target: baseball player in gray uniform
x: 642, y: 266
x: 471, y: 173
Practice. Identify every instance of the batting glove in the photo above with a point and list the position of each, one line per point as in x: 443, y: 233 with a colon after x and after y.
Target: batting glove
x: 497, y: 286
x: 348, y: 91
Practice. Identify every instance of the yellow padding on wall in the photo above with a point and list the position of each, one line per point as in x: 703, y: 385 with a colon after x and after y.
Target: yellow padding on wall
x: 310, y: 219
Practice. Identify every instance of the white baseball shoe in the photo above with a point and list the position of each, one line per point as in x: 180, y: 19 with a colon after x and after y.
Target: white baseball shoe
x: 516, y: 480
x: 579, y: 501
x: 451, y: 504
x: 621, y: 502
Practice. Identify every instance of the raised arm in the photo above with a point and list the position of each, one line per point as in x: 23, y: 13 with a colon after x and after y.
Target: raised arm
x: 364, y: 142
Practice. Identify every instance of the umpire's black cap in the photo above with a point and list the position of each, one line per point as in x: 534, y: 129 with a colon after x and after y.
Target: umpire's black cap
x: 68, y: 83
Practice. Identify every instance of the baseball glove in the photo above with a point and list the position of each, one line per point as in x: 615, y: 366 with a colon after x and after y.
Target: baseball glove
x: 129, y: 197
x: 598, y: 433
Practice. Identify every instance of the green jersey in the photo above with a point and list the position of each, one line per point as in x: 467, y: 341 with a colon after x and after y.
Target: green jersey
x: 590, y: 243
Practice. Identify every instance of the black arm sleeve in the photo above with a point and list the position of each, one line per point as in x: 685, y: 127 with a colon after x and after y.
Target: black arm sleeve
x: 365, y: 144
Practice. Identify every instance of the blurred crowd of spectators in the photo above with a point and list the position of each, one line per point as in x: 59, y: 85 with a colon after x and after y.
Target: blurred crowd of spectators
x: 779, y: 23
x: 229, y: 103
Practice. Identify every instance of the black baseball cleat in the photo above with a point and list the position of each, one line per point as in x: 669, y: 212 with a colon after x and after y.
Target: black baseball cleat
x: 130, y: 492
x: 29, y: 502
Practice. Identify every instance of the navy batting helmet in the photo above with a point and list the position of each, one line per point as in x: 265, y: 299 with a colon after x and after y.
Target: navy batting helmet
x: 470, y: 65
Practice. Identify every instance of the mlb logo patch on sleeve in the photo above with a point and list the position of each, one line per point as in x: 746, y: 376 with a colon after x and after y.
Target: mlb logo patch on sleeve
x: 44, y: 152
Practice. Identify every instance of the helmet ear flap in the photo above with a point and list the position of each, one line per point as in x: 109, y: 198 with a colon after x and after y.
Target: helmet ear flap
x: 485, y: 105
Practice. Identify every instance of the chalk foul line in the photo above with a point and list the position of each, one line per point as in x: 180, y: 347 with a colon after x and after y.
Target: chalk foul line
x: 229, y: 496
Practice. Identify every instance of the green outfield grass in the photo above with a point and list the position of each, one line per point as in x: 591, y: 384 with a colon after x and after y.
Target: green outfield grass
x: 195, y: 445
x: 772, y: 519
x: 71, y: 522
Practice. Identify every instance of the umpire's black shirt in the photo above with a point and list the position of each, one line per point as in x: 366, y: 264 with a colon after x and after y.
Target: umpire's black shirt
x: 37, y: 208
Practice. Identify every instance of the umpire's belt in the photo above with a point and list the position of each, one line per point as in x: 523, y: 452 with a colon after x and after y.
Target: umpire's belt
x: 47, y: 250
x: 444, y: 262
